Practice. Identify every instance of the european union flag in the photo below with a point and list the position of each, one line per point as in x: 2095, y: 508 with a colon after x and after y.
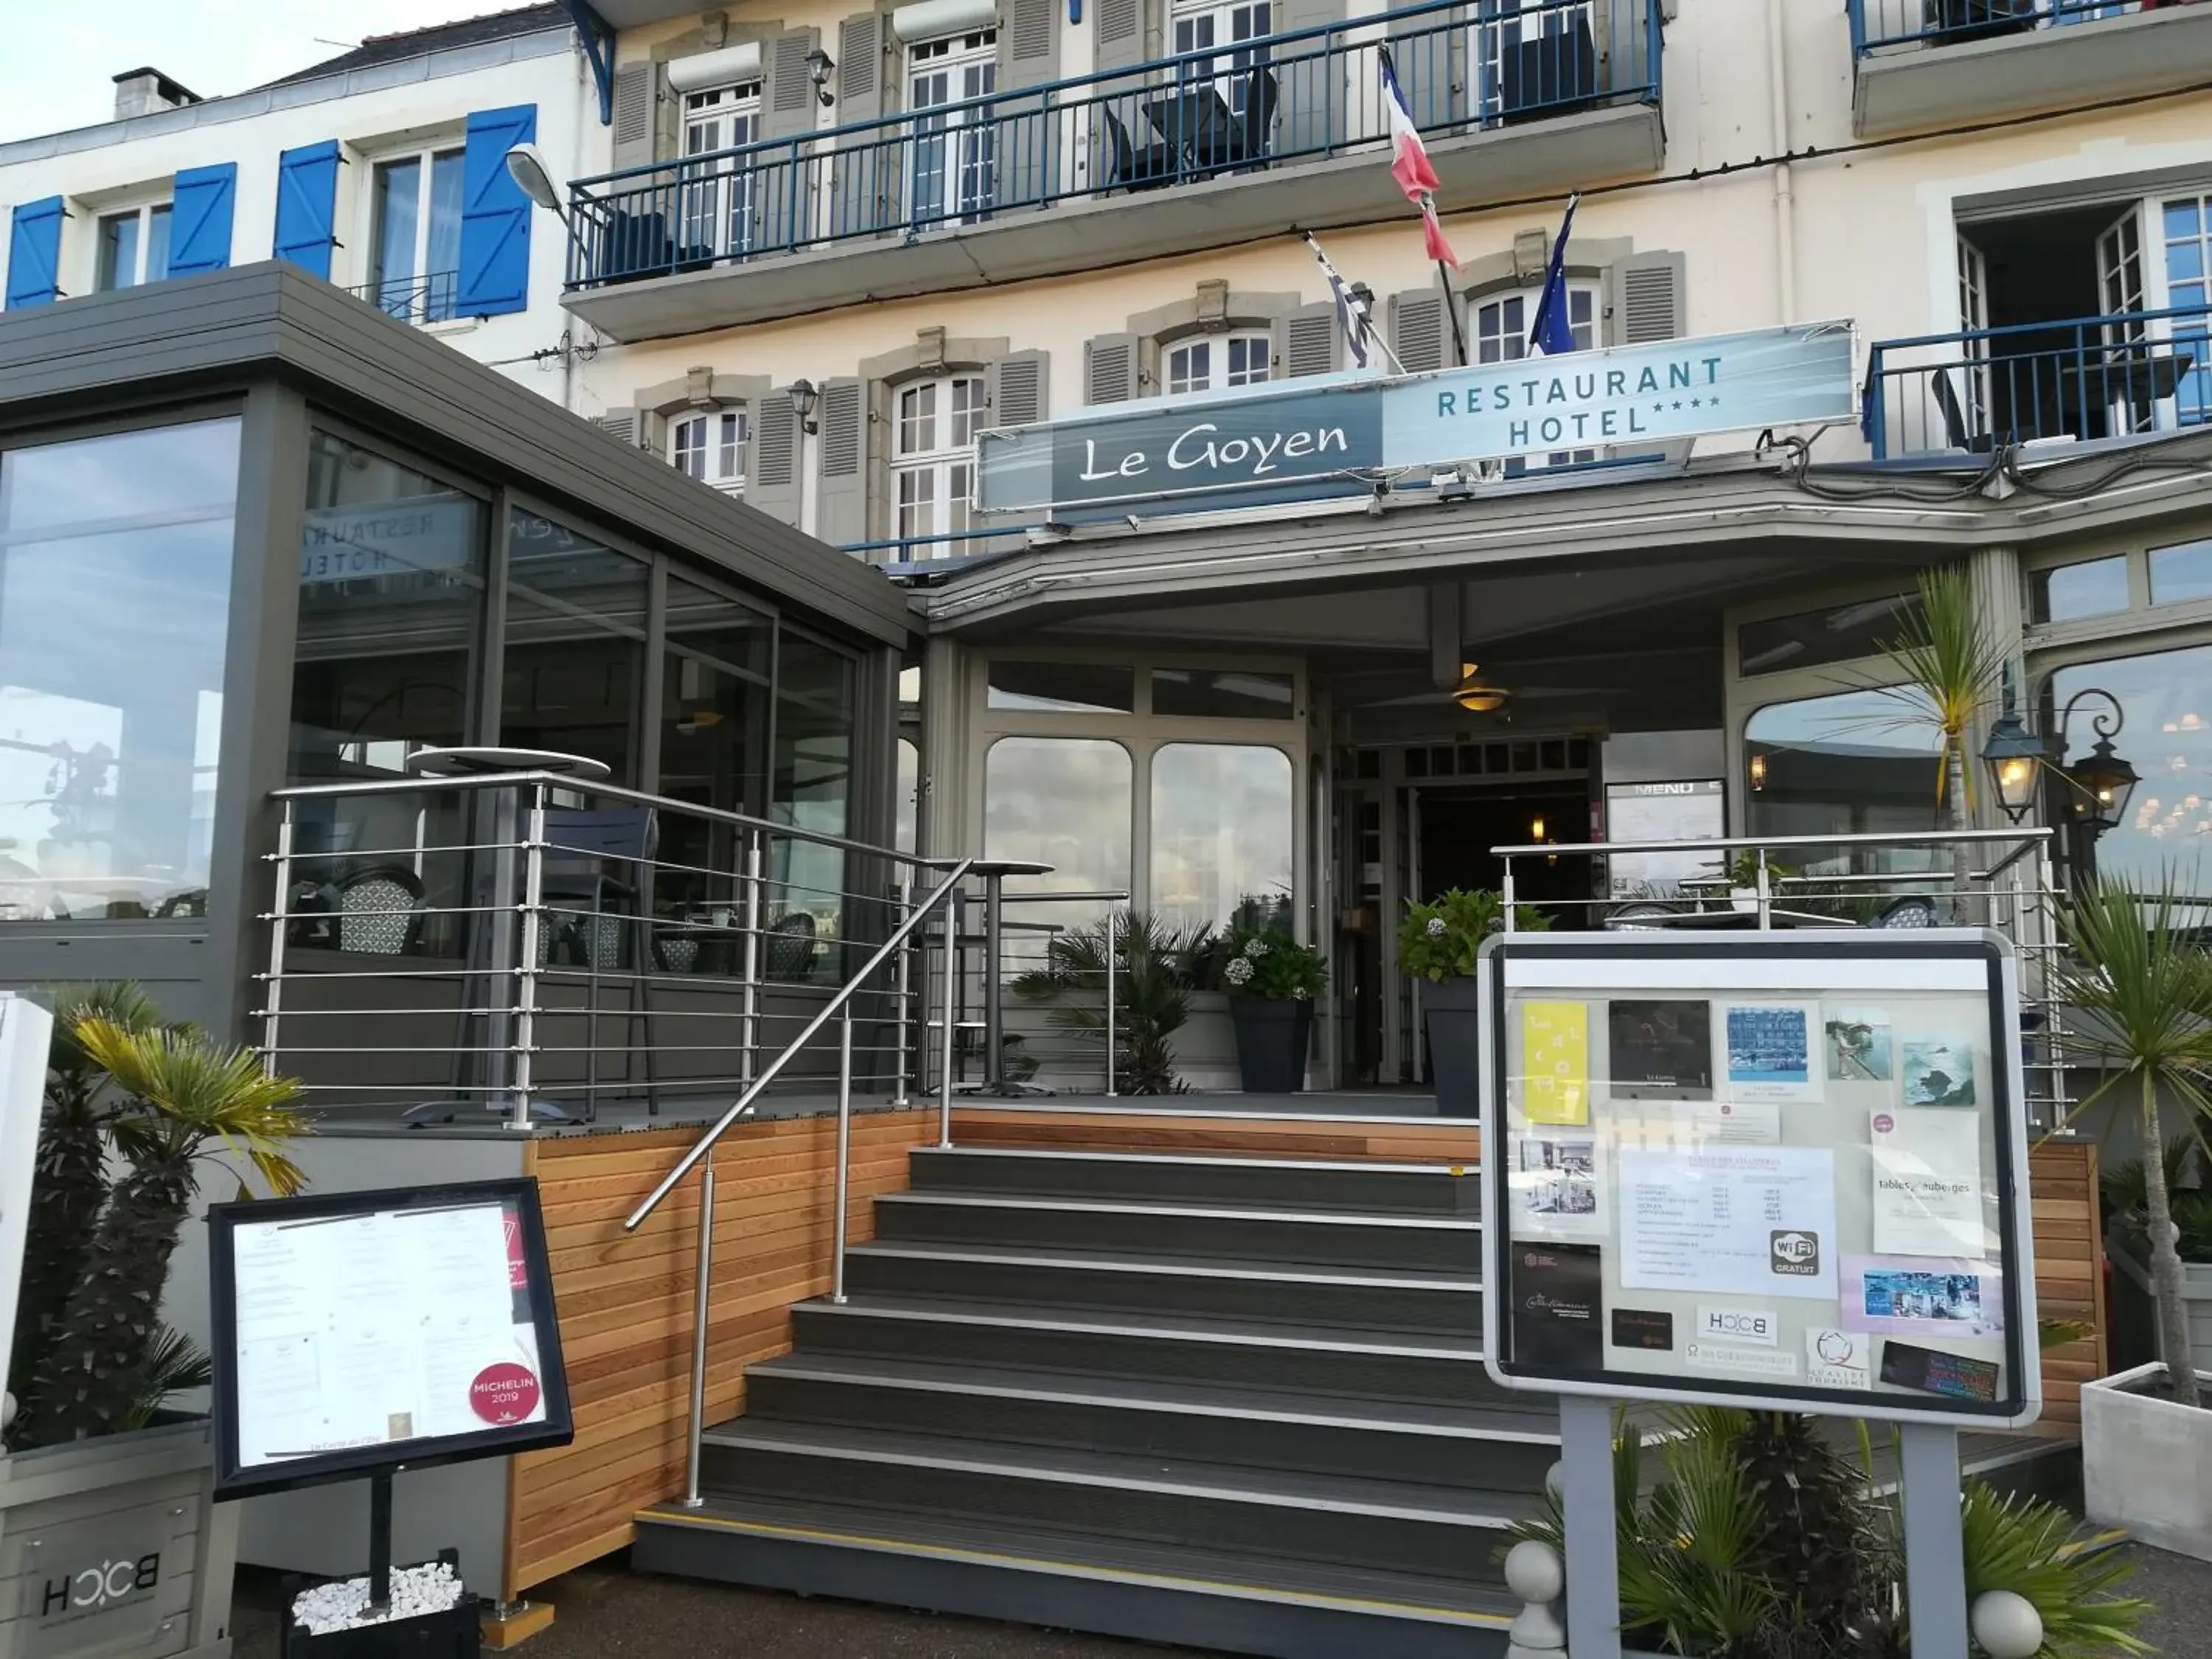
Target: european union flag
x: 1553, y: 334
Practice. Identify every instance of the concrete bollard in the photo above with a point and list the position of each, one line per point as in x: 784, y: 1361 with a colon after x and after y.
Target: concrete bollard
x: 1534, y: 1572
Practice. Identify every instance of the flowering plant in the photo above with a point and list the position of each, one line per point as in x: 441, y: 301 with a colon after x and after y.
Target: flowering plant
x: 1438, y: 940
x: 1269, y: 963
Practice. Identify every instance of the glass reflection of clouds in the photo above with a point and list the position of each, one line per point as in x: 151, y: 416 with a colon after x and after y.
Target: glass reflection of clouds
x: 115, y: 558
x: 1222, y: 828
x: 2167, y: 693
x: 1065, y: 802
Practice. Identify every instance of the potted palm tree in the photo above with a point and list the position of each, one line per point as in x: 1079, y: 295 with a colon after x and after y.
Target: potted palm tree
x: 116, y: 1490
x: 1153, y: 981
x: 2140, y: 989
x: 1439, y: 942
x: 1272, y: 981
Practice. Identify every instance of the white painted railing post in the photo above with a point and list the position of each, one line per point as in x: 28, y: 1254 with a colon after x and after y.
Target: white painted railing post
x: 1534, y: 1573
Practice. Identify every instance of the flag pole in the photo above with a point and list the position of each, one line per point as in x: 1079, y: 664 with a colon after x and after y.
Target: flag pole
x: 1451, y: 310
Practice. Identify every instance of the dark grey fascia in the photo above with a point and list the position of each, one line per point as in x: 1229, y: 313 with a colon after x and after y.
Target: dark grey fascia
x: 1735, y: 503
x: 217, y: 334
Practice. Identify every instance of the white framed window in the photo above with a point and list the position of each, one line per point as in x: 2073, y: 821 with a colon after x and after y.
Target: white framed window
x: 954, y: 156
x: 719, y: 215
x: 415, y: 233
x: 1239, y: 29
x: 712, y: 448
x: 1217, y: 362
x: 933, y: 453
x: 1500, y: 323
x: 133, y: 246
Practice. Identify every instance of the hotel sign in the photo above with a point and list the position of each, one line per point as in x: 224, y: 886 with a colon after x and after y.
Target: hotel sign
x: 1341, y: 436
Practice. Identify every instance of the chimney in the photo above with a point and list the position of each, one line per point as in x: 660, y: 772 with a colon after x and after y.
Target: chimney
x: 145, y: 91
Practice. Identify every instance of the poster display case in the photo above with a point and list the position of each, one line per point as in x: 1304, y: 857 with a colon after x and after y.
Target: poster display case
x: 356, y: 1334
x: 1780, y: 1170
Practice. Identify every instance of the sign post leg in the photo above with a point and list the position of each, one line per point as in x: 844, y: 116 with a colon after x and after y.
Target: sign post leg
x: 1934, y: 1550
x: 1593, y: 1561
x: 379, y: 1541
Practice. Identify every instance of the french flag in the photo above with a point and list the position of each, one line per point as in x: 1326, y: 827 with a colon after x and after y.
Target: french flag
x: 1410, y: 165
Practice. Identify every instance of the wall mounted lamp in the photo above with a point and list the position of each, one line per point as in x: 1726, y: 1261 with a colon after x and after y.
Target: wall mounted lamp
x: 803, y: 397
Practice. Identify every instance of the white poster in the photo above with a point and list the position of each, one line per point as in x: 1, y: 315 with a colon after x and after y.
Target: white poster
x: 1692, y: 1123
x: 363, y: 1330
x: 1555, y: 1185
x: 1738, y: 1221
x: 1928, y: 1184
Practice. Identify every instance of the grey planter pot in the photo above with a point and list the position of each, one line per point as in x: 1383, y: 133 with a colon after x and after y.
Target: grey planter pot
x: 1451, y: 1008
x: 116, y: 1546
x: 2147, y: 1462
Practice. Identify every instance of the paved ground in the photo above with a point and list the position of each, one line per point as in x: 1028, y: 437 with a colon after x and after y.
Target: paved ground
x: 607, y: 1613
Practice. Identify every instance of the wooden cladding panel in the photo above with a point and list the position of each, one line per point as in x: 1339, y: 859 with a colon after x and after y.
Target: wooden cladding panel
x: 2070, y: 1271
x: 625, y: 1302
x: 1412, y: 1141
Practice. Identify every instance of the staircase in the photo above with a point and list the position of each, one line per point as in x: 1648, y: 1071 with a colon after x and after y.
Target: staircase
x: 1234, y: 1403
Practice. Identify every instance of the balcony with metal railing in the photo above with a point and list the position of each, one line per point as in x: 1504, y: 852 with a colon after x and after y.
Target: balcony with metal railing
x: 2077, y: 380
x: 1927, y: 64
x: 431, y: 297
x: 1197, y: 151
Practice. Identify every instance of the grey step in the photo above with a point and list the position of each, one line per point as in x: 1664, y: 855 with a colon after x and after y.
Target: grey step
x: 1213, y: 1600
x: 1342, y: 1520
x: 1502, y: 1448
x: 1165, y: 1347
x: 1129, y: 1227
x: 1395, y: 1300
x: 1276, y: 1183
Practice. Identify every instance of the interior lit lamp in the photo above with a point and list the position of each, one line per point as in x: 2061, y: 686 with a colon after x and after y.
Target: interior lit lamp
x: 1474, y: 695
x: 1536, y: 829
x: 1758, y: 771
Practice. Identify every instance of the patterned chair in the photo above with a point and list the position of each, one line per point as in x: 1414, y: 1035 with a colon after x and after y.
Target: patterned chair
x: 380, y: 910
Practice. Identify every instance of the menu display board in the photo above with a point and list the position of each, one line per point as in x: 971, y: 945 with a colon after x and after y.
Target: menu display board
x: 361, y: 1331
x: 1777, y: 1169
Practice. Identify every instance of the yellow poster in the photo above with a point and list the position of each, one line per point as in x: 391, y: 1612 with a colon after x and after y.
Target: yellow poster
x: 1555, y: 1061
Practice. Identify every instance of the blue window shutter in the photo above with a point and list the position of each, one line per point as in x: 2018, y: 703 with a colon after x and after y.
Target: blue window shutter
x: 494, y: 215
x: 199, y: 223
x: 35, y: 253
x: 307, y: 206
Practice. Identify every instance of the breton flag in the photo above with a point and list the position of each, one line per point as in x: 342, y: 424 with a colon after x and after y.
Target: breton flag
x: 1409, y: 162
x: 1552, y: 333
x: 1351, y: 309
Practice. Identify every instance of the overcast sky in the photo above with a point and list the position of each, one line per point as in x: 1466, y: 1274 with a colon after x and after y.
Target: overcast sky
x: 62, y: 55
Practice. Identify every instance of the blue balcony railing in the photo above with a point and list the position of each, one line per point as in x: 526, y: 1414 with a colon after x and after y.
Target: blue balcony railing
x: 1941, y: 23
x: 1241, y: 108
x: 2085, y: 377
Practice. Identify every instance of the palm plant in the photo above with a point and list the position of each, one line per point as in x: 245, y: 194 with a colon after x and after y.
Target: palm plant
x: 2031, y: 1548
x: 1156, y: 973
x: 188, y: 1098
x: 69, y: 1181
x: 2142, y: 992
x: 1953, y: 672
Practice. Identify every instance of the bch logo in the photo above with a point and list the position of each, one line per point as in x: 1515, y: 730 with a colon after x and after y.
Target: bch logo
x: 1757, y: 1326
x: 90, y: 1589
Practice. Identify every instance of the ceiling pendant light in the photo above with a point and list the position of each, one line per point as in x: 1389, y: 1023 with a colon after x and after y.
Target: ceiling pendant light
x: 1476, y: 696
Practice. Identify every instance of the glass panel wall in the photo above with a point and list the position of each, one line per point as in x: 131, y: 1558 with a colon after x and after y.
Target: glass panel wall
x: 1222, y: 693
x: 813, y: 790
x: 1066, y: 802
x: 714, y: 746
x: 2167, y: 699
x: 573, y: 673
x: 1222, y: 836
x: 1851, y: 763
x: 115, y: 557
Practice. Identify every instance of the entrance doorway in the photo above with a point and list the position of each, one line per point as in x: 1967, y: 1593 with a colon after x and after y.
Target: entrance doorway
x: 1457, y: 831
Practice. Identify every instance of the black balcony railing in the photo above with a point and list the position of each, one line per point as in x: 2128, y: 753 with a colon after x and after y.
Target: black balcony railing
x: 432, y: 297
x: 1941, y: 23
x: 1237, y: 109
x: 2085, y: 377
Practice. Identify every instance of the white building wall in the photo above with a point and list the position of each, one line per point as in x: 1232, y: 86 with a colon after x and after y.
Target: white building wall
x: 371, y: 113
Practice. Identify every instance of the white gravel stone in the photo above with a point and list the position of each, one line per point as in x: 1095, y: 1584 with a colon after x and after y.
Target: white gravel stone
x: 434, y: 1587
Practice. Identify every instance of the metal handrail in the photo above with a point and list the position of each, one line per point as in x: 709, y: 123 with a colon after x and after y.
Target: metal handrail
x: 840, y: 1001
x: 1854, y: 838
x: 1882, y: 32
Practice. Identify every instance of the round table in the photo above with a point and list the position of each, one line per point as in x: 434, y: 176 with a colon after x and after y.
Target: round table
x: 995, y: 872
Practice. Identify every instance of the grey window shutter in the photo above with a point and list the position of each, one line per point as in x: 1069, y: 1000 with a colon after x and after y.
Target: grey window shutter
x: 620, y: 424
x: 1017, y: 388
x: 1314, y: 90
x: 772, y: 479
x: 637, y: 89
x: 1418, y: 329
x: 1308, y: 341
x: 1110, y: 364
x: 1129, y: 32
x: 1644, y: 301
x: 843, y: 514
x: 1430, y: 52
x: 1029, y: 43
x: 860, y: 67
x: 790, y: 88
